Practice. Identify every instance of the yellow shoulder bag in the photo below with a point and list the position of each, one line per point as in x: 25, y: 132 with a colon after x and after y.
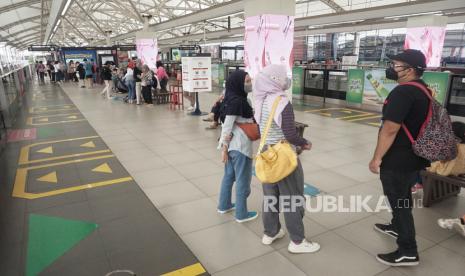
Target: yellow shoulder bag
x: 278, y: 161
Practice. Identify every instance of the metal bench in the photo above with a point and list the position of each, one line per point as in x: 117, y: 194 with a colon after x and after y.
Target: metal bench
x: 437, y: 187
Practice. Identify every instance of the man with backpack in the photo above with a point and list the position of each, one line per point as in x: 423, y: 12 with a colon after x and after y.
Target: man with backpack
x: 394, y: 158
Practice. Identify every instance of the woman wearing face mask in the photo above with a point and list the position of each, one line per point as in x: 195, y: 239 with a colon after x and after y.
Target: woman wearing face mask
x: 236, y: 147
x: 270, y: 86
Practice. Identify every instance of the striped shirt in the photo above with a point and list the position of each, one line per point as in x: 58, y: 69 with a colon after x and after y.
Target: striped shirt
x: 287, y: 131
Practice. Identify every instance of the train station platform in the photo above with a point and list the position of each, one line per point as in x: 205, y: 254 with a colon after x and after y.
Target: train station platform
x: 90, y: 186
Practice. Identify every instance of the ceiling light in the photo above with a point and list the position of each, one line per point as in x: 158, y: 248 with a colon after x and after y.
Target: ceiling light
x: 65, y: 9
x: 414, y: 14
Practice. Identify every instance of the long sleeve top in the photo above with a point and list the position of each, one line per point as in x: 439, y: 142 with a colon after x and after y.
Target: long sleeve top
x: 161, y: 73
x: 287, y: 131
x: 239, y: 142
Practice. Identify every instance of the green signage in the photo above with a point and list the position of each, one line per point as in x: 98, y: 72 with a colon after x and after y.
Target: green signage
x: 297, y: 81
x: 438, y: 82
x: 356, y: 80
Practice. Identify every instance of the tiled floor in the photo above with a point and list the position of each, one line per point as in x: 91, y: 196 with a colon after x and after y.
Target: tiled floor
x: 131, y: 233
x: 174, y: 160
x: 183, y: 180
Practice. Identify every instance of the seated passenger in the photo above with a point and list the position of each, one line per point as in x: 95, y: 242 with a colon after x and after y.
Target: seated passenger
x: 214, y: 115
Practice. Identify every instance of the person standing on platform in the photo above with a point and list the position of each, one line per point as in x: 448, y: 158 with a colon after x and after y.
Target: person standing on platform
x: 71, y: 71
x: 137, y: 76
x: 89, y: 75
x: 129, y: 81
x: 82, y: 74
x: 236, y: 147
x: 106, y: 75
x: 162, y: 76
x: 271, y: 85
x: 41, y: 71
x: 146, y: 84
x: 394, y: 158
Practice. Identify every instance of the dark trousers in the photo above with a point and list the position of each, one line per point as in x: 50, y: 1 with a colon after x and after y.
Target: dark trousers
x: 42, y: 76
x: 397, y: 187
x: 216, y: 111
x: 147, y: 94
x: 54, y: 77
x: 163, y: 84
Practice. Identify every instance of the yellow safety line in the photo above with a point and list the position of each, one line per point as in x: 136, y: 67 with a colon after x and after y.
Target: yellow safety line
x: 192, y: 270
x: 24, y: 153
x: 361, y: 119
x: 55, y: 115
x: 356, y: 116
x: 375, y: 124
x: 63, y: 157
x: 324, y: 109
x: 58, y: 122
x: 19, y: 189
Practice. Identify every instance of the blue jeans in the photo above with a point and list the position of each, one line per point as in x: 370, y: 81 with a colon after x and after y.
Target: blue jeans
x: 131, y: 89
x: 238, y: 169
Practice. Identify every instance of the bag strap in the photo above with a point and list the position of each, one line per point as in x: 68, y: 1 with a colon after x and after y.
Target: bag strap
x: 268, y: 124
x: 428, y: 94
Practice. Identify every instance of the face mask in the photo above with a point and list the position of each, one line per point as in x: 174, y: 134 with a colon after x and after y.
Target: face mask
x: 391, y: 74
x: 248, y: 87
x: 288, y: 84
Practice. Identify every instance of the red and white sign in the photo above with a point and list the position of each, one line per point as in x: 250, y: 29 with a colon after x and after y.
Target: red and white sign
x: 16, y: 135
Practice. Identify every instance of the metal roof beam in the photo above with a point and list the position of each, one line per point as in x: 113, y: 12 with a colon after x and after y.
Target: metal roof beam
x: 18, y: 5
x: 19, y: 22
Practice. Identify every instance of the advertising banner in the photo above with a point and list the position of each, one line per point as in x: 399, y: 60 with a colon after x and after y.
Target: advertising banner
x: 268, y: 40
x: 356, y: 81
x: 438, y: 82
x: 79, y: 55
x: 429, y: 40
x: 297, y: 82
x: 147, y: 48
x: 376, y: 86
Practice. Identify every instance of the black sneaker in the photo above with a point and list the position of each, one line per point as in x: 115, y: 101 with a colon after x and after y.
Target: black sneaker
x: 397, y: 259
x: 386, y: 229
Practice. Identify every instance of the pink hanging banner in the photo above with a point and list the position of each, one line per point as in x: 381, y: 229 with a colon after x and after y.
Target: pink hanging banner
x: 269, y: 39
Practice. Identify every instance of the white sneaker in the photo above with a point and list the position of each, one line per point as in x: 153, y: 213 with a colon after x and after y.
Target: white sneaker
x: 267, y: 240
x: 190, y: 108
x: 303, y: 247
x: 447, y: 223
x: 459, y: 227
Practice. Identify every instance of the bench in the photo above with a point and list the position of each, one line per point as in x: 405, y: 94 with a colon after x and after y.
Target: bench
x: 437, y: 187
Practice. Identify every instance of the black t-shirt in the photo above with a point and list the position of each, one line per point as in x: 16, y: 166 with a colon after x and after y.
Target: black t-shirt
x: 137, y: 71
x: 409, y: 105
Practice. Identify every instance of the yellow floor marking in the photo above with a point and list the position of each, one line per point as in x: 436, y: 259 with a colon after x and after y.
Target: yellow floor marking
x: 57, y: 122
x: 364, y: 118
x: 43, y: 120
x: 51, y: 177
x: 48, y: 150
x: 71, y: 117
x: 88, y: 145
x: 325, y: 114
x: 375, y: 124
x: 19, y: 189
x: 324, y: 109
x: 46, y: 109
x: 24, y: 153
x: 356, y: 116
x: 104, y: 168
x: 192, y: 270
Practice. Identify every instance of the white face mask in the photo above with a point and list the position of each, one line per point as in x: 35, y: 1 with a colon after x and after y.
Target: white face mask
x: 248, y: 87
x: 287, y: 84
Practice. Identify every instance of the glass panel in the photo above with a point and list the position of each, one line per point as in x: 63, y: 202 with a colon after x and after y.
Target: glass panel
x: 457, y: 93
x: 314, y: 79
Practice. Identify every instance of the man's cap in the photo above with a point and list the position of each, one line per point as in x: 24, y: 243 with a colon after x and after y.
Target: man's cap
x: 412, y: 57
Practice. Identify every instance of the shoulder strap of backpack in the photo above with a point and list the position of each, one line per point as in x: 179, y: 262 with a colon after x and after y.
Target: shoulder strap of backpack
x: 428, y: 94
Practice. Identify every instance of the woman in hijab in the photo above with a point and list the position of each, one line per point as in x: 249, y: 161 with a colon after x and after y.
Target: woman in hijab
x: 236, y: 147
x: 270, y: 85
